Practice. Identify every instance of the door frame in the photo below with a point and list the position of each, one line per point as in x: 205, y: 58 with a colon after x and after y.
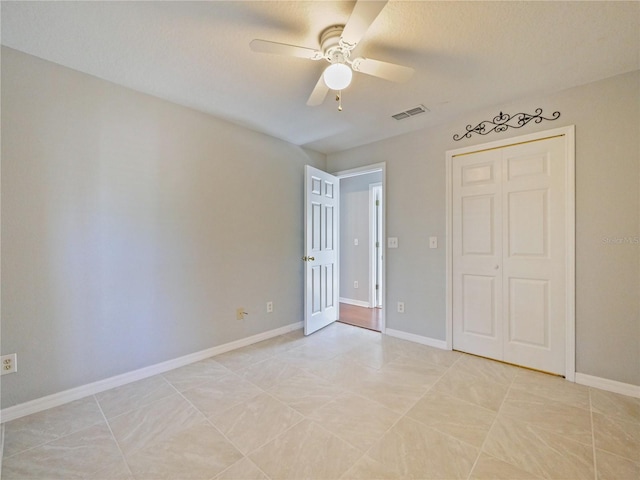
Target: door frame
x: 353, y: 172
x: 568, y: 133
x: 375, y: 253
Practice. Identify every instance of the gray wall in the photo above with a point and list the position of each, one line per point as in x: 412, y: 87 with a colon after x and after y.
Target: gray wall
x: 132, y: 228
x: 607, y: 119
x: 354, y: 223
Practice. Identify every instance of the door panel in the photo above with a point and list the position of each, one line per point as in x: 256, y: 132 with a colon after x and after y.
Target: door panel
x: 479, y: 306
x: 529, y: 312
x: 321, y: 217
x: 477, y: 250
x: 478, y: 174
x: 316, y: 227
x: 329, y: 278
x: 316, y: 289
x: 528, y: 223
x: 478, y: 213
x: 534, y: 265
x: 527, y: 166
x: 328, y: 231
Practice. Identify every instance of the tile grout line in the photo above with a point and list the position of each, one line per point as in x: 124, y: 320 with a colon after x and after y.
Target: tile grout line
x: 304, y: 416
x: 106, y: 421
x: 58, y: 437
x: 208, y: 420
x: 481, y: 449
x: 402, y: 415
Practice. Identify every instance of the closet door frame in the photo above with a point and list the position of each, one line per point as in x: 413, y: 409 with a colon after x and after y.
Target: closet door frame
x: 568, y: 133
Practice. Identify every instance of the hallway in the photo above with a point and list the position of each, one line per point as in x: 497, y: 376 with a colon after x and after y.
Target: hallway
x: 370, y: 318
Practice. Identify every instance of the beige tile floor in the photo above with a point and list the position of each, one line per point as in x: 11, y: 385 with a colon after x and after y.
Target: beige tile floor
x: 345, y: 403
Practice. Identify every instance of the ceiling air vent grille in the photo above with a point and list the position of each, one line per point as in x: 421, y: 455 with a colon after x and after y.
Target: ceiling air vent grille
x: 410, y: 112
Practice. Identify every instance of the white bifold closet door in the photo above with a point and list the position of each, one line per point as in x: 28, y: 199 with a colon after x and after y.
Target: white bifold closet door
x: 509, y: 253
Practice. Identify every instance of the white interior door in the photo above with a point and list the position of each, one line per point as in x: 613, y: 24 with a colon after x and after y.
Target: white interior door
x: 509, y: 253
x: 477, y: 253
x: 534, y: 257
x: 321, y: 287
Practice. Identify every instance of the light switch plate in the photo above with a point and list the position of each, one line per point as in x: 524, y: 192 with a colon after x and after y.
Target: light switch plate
x: 433, y: 242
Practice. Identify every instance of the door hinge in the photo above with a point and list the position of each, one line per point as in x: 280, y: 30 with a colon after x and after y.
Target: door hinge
x: 377, y: 203
x: 377, y: 287
x: 377, y: 244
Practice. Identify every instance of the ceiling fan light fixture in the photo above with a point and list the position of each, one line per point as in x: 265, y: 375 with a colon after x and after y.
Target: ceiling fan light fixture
x: 337, y: 76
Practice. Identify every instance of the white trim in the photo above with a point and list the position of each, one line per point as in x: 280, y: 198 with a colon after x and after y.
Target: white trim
x: 570, y: 235
x: 60, y: 398
x: 375, y: 193
x: 357, y: 303
x: 412, y: 337
x: 449, y: 254
x: 569, y: 133
x: 608, y: 385
x: 354, y: 172
x: 370, y: 245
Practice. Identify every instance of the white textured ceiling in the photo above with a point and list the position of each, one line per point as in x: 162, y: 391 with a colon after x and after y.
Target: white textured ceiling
x: 467, y: 56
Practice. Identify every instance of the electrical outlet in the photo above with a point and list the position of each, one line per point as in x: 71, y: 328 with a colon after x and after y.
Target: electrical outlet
x: 400, y: 307
x: 9, y: 363
x: 240, y: 313
x: 392, y: 242
x: 269, y: 307
x: 355, y: 242
x: 355, y: 284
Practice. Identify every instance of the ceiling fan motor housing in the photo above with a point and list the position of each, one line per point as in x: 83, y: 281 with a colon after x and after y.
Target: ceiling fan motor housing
x: 333, y: 48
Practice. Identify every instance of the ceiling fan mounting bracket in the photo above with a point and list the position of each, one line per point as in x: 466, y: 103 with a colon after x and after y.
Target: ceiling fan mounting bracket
x: 332, y: 45
x: 330, y: 37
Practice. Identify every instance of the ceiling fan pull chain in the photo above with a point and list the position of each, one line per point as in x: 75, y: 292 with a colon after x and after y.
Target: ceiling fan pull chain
x: 339, y: 100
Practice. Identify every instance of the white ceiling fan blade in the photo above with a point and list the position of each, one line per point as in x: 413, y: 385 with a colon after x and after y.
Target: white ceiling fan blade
x: 386, y: 70
x: 363, y: 15
x: 319, y: 93
x: 265, y: 46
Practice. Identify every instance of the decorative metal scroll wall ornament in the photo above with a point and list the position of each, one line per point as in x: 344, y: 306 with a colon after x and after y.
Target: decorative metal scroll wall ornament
x: 504, y: 121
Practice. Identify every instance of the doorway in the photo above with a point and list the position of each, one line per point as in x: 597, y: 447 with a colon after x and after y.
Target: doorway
x: 361, y: 253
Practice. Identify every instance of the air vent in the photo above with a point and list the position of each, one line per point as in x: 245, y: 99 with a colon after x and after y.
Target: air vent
x: 410, y: 112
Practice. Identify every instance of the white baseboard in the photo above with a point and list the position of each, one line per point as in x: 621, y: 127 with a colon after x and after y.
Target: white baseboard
x: 357, y: 303
x: 608, y: 385
x: 57, y: 399
x: 412, y: 337
x: 581, y: 378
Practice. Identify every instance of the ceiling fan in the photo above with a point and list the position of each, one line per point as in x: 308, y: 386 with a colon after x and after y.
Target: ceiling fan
x: 336, y: 43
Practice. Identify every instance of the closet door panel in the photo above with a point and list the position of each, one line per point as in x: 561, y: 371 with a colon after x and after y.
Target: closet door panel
x: 477, y: 249
x: 534, y: 259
